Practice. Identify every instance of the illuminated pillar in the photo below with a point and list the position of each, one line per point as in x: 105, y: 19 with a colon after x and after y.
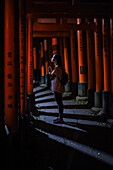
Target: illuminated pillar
x: 106, y: 65
x: 30, y: 58
x: 106, y: 57
x: 50, y: 54
x: 11, y: 72
x: 98, y: 64
x: 90, y: 63
x: 2, y: 130
x: 74, y: 85
x: 46, y: 56
x: 111, y: 62
x: 42, y: 63
x: 35, y: 58
x: 46, y: 62
x: 66, y: 64
x: 35, y: 64
x: 30, y: 94
x: 26, y: 66
x: 50, y: 51
x: 82, y: 85
x: 62, y: 51
x: 55, y: 45
x: 38, y: 62
x: 22, y: 48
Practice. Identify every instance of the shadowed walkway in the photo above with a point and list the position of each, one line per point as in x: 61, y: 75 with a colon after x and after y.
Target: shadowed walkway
x: 82, y: 141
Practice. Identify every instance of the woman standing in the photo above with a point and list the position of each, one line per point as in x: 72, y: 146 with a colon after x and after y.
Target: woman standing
x: 56, y: 87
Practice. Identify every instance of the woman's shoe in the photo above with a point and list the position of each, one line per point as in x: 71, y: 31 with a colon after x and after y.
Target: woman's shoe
x: 58, y: 120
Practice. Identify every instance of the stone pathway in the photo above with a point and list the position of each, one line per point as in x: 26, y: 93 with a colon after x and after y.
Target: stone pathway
x: 83, y: 141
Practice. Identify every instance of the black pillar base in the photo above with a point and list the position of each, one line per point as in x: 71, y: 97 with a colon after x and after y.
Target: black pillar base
x: 36, y: 76
x: 42, y: 79
x: 82, y: 89
x: 47, y: 80
x: 98, y: 99
x: 67, y: 87
x: 30, y: 102
x: 111, y: 105
x: 105, y: 102
x: 74, y: 89
x: 90, y: 95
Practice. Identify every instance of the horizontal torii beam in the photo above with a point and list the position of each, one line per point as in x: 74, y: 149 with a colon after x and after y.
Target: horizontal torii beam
x: 63, y: 27
x: 64, y: 10
x: 51, y: 34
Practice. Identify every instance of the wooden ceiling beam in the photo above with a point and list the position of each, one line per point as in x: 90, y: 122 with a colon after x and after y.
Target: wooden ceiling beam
x: 64, y: 11
x: 51, y: 34
x: 81, y: 14
x: 52, y: 15
x: 63, y: 27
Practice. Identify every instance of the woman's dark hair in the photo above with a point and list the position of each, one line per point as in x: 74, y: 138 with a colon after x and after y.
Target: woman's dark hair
x: 58, y: 59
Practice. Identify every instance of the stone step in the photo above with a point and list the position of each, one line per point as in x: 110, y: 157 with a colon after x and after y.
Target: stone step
x: 45, y: 98
x: 85, y: 149
x: 79, y: 137
x: 84, y: 119
x: 39, y: 89
x: 43, y: 94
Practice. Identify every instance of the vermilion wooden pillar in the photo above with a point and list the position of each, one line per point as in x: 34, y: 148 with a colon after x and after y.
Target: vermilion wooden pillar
x: 30, y: 58
x: 11, y: 75
x: 3, y: 138
x: 22, y: 48
x: 106, y: 54
x: 62, y: 51
x: 50, y: 51
x: 34, y: 58
x: 74, y: 63
x: 42, y: 64
x: 66, y: 63
x: 82, y: 85
x: 98, y: 64
x: 38, y: 62
x: 111, y: 52
x: 35, y: 64
x: 91, y: 64
x: 30, y: 67
x: 26, y: 66
x: 2, y: 129
x: 55, y: 45
x: 106, y: 64
x: 46, y: 56
x: 111, y: 67
x: 46, y: 62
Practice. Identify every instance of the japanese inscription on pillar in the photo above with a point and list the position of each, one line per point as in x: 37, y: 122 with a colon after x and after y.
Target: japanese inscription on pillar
x: 11, y: 81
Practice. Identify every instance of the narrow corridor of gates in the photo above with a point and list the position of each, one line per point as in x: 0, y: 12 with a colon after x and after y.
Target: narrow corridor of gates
x: 30, y: 33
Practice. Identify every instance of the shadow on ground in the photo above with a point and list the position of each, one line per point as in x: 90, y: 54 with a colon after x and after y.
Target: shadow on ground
x: 34, y: 150
x: 97, y: 137
x: 43, y: 153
